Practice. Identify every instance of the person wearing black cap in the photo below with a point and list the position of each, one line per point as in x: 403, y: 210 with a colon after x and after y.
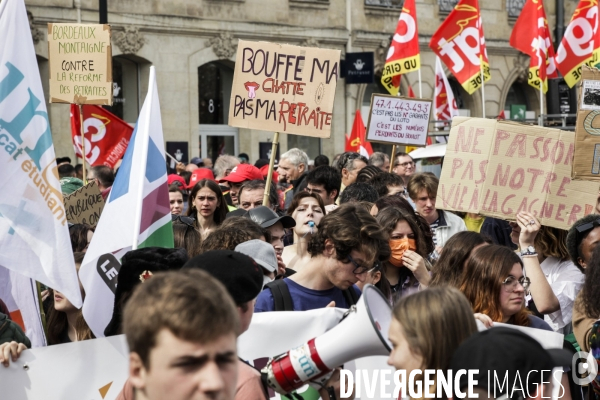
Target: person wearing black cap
x: 243, y: 279
x: 509, y: 353
x: 276, y: 225
x: 136, y: 267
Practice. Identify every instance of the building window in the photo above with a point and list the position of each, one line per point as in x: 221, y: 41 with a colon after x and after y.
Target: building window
x: 514, y: 7
x: 125, y: 74
x: 385, y: 3
x: 214, y: 90
x: 446, y: 6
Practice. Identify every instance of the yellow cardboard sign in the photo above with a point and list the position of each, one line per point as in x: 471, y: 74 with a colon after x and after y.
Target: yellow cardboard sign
x: 500, y: 168
x: 80, y: 60
x: 284, y: 88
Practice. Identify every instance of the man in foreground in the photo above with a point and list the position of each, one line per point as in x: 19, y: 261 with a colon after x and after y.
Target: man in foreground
x: 181, y: 329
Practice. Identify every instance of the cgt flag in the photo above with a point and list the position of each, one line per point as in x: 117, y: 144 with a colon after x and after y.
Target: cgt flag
x: 106, y: 135
x: 136, y: 214
x: 581, y: 42
x: 357, y: 142
x: 34, y: 238
x: 403, y: 55
x: 531, y: 36
x: 460, y: 44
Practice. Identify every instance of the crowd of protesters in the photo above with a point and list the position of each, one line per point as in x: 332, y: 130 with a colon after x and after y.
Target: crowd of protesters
x: 326, y: 231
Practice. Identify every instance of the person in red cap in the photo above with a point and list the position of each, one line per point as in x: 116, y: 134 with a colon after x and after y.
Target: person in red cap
x: 198, y: 175
x: 240, y: 174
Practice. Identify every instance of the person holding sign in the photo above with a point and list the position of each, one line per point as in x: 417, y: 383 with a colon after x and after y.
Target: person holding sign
x: 556, y: 281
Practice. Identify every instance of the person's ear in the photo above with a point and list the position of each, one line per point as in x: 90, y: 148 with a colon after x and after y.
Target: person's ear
x: 137, y: 371
x: 376, y: 277
x: 345, y: 173
x: 581, y: 263
x: 329, y: 248
x: 333, y: 194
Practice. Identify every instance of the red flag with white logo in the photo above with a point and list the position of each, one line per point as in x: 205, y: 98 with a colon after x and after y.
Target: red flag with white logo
x: 403, y: 55
x: 356, y: 142
x: 581, y: 42
x: 531, y: 36
x: 106, y: 135
x: 460, y: 44
x: 444, y: 101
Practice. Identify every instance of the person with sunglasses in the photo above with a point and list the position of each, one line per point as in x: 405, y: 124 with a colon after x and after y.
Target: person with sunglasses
x: 345, y: 247
x: 494, y: 283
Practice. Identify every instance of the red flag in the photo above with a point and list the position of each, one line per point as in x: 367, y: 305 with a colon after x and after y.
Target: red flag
x: 403, y: 55
x: 580, y: 43
x: 531, y: 36
x: 411, y: 94
x: 356, y: 142
x: 501, y: 115
x: 106, y: 135
x: 460, y: 44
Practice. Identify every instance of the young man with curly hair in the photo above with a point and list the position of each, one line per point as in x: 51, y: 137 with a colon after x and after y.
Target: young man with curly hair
x: 347, y: 244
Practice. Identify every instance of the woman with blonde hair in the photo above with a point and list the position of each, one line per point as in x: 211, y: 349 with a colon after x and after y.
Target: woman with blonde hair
x: 427, y: 327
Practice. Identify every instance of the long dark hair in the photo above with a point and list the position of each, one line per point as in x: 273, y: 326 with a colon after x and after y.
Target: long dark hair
x: 390, y: 216
x: 221, y: 211
x: 448, y: 269
x: 590, y: 294
x: 78, y: 233
x: 57, y: 320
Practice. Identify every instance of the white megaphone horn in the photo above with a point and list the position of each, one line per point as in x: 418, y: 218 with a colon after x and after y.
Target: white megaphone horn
x: 363, y: 332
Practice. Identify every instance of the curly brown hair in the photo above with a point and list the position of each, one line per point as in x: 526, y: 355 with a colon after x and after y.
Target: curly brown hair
x: 389, y: 217
x: 552, y: 242
x: 233, y: 231
x: 351, y: 227
x: 482, y: 281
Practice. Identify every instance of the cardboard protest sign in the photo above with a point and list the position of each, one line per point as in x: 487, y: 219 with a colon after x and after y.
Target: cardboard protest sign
x: 284, y: 88
x: 80, y: 64
x: 85, y: 205
x: 586, y: 160
x: 500, y: 168
x: 398, y: 120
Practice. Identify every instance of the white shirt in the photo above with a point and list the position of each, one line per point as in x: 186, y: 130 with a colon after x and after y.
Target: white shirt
x: 566, y: 281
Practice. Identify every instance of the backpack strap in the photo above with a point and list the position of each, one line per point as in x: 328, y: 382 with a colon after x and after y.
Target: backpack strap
x: 282, y: 298
x: 350, y: 296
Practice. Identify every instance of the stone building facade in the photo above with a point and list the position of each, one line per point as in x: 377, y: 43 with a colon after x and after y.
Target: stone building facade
x: 192, y: 44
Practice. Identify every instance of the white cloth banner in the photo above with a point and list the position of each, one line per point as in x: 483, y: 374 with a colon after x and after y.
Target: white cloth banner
x: 19, y: 293
x: 79, y: 370
x: 34, y: 238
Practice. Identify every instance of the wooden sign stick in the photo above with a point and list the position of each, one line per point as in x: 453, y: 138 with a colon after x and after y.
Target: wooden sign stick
x: 392, y: 159
x: 271, y: 167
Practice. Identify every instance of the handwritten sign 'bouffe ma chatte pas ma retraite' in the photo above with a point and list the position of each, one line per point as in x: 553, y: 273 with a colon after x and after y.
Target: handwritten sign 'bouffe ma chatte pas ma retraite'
x: 284, y: 88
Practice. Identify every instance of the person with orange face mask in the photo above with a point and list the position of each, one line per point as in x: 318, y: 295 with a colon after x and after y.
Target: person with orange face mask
x: 407, y: 269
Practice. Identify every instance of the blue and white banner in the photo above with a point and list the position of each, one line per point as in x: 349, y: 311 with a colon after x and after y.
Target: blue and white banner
x: 34, y: 237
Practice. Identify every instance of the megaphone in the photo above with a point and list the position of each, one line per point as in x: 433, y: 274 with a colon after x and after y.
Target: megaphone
x: 363, y: 332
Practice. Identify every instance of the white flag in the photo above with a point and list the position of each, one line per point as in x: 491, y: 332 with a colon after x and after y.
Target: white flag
x: 34, y: 238
x: 445, y: 104
x: 19, y: 293
x: 136, y: 214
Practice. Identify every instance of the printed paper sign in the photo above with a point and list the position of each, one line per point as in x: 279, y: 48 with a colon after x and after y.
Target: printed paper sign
x: 284, y: 88
x: 85, y: 205
x: 586, y: 160
x: 398, y: 120
x: 590, y: 100
x: 80, y: 59
x: 500, y: 168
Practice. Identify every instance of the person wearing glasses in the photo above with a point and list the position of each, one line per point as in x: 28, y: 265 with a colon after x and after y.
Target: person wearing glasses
x: 494, y: 283
x: 556, y: 281
x: 349, y: 165
x: 404, y: 166
x: 343, y: 250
